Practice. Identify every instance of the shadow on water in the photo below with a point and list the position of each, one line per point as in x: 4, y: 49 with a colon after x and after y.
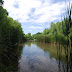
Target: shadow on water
x: 9, y: 58
x: 63, y: 55
x: 64, y: 65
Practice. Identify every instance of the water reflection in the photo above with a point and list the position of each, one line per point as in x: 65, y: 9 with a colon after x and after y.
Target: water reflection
x: 9, y: 58
x: 42, y: 57
x: 67, y: 64
x: 36, y: 57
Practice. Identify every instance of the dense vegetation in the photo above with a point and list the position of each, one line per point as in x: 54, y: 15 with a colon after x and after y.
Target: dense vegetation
x: 56, y: 33
x: 61, y: 32
x: 10, y: 35
x: 10, y: 30
x: 53, y: 34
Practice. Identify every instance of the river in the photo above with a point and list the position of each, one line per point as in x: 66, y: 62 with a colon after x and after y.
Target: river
x: 36, y: 57
x: 43, y: 57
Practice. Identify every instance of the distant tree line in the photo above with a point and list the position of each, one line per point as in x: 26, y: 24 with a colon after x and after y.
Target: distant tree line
x: 60, y: 32
x: 54, y: 34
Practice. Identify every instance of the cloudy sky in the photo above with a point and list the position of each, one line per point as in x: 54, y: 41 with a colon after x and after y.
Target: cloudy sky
x: 35, y: 15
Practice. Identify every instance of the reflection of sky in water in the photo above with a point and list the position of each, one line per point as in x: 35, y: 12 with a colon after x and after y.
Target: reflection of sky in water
x: 34, y: 59
x: 33, y: 50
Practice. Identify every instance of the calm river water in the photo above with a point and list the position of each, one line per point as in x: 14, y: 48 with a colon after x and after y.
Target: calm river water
x: 36, y: 57
x: 43, y: 57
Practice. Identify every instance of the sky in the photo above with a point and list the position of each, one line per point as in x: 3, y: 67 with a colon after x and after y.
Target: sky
x: 35, y: 15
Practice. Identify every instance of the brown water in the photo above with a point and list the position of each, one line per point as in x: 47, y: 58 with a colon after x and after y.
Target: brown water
x: 43, y: 57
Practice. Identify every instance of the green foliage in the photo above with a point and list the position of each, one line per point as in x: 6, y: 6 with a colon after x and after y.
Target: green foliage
x: 10, y: 35
x: 28, y: 36
x: 46, y: 31
x: 10, y: 30
x: 57, y: 33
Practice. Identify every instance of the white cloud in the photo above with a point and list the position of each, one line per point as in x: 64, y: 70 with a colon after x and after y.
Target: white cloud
x: 34, y: 27
x: 23, y: 10
x: 51, y: 12
x: 45, y: 11
x: 29, y: 30
x: 48, y: 12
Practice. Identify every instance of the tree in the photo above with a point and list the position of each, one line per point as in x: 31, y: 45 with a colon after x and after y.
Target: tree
x: 1, y: 2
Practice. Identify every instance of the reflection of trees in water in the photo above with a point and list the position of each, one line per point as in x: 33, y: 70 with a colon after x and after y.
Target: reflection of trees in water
x: 9, y: 59
x: 52, y: 49
x: 29, y: 44
x: 63, y: 55
x: 64, y: 66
